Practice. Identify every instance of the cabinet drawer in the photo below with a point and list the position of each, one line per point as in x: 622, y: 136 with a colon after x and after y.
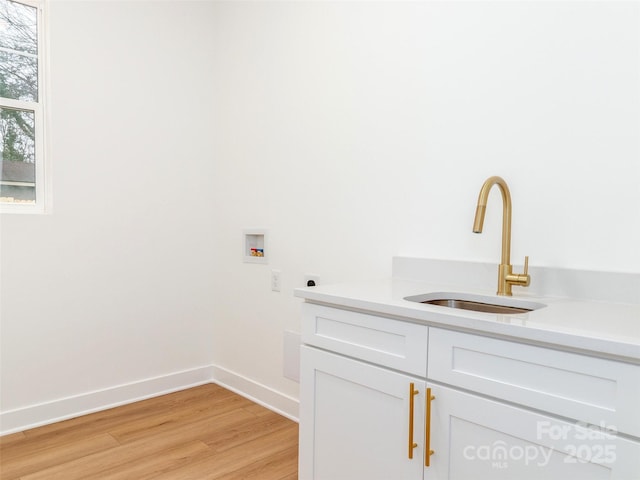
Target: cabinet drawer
x: 601, y: 392
x: 391, y: 343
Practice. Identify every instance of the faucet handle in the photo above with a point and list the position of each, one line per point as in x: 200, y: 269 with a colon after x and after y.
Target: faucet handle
x: 524, y: 279
x: 521, y: 279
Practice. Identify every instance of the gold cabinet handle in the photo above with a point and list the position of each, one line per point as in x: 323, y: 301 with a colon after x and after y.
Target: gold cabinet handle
x: 427, y: 430
x: 412, y: 393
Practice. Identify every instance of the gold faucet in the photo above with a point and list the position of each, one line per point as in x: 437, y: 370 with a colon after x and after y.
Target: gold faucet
x: 506, y: 277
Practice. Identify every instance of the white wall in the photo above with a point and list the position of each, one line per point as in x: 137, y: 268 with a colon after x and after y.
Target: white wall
x: 361, y: 130
x: 114, y: 286
x: 352, y: 131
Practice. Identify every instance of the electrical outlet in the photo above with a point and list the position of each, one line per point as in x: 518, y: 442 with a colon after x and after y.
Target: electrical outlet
x: 311, y: 277
x: 275, y: 280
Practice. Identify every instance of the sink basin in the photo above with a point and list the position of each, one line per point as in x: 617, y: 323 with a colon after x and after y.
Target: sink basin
x: 476, y: 306
x: 476, y: 303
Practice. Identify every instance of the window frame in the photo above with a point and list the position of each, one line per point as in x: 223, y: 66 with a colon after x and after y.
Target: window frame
x: 42, y: 176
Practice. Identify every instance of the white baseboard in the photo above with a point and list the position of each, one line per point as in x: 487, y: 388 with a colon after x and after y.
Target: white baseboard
x: 62, y: 409
x: 256, y: 392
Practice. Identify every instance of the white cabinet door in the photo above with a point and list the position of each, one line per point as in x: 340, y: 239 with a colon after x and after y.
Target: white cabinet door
x: 569, y: 385
x: 474, y: 437
x: 355, y: 420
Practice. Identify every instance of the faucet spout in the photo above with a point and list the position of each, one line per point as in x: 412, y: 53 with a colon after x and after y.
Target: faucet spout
x: 478, y: 222
x: 505, y: 276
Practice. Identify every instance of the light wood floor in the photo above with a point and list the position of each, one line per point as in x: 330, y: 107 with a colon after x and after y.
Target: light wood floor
x: 202, y: 433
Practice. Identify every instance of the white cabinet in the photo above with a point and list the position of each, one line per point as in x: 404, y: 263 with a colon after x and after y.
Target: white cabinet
x: 476, y: 438
x: 594, y: 390
x: 502, y: 410
x: 398, y: 345
x: 355, y: 420
x: 355, y: 415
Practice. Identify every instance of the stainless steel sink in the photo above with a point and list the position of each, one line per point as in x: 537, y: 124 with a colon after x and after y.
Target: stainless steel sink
x: 476, y: 306
x: 476, y: 303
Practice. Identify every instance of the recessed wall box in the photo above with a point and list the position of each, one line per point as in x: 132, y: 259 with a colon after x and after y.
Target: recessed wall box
x: 254, y: 246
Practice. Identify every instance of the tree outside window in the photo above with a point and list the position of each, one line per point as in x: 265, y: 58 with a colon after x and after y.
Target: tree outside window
x: 20, y: 105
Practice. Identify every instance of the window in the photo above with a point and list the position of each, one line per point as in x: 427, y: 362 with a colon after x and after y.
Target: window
x: 21, y: 106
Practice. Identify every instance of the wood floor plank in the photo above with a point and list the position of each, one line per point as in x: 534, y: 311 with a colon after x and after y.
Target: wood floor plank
x: 281, y: 465
x: 217, y: 465
x: 154, y: 445
x: 201, y: 430
x: 229, y: 438
x: 201, y: 433
x: 19, y: 464
x: 11, y: 439
x: 150, y: 467
x: 109, y: 419
x: 116, y: 461
x: 178, y: 418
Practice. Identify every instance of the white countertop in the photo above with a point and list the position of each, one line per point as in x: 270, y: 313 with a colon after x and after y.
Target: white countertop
x: 606, y: 329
